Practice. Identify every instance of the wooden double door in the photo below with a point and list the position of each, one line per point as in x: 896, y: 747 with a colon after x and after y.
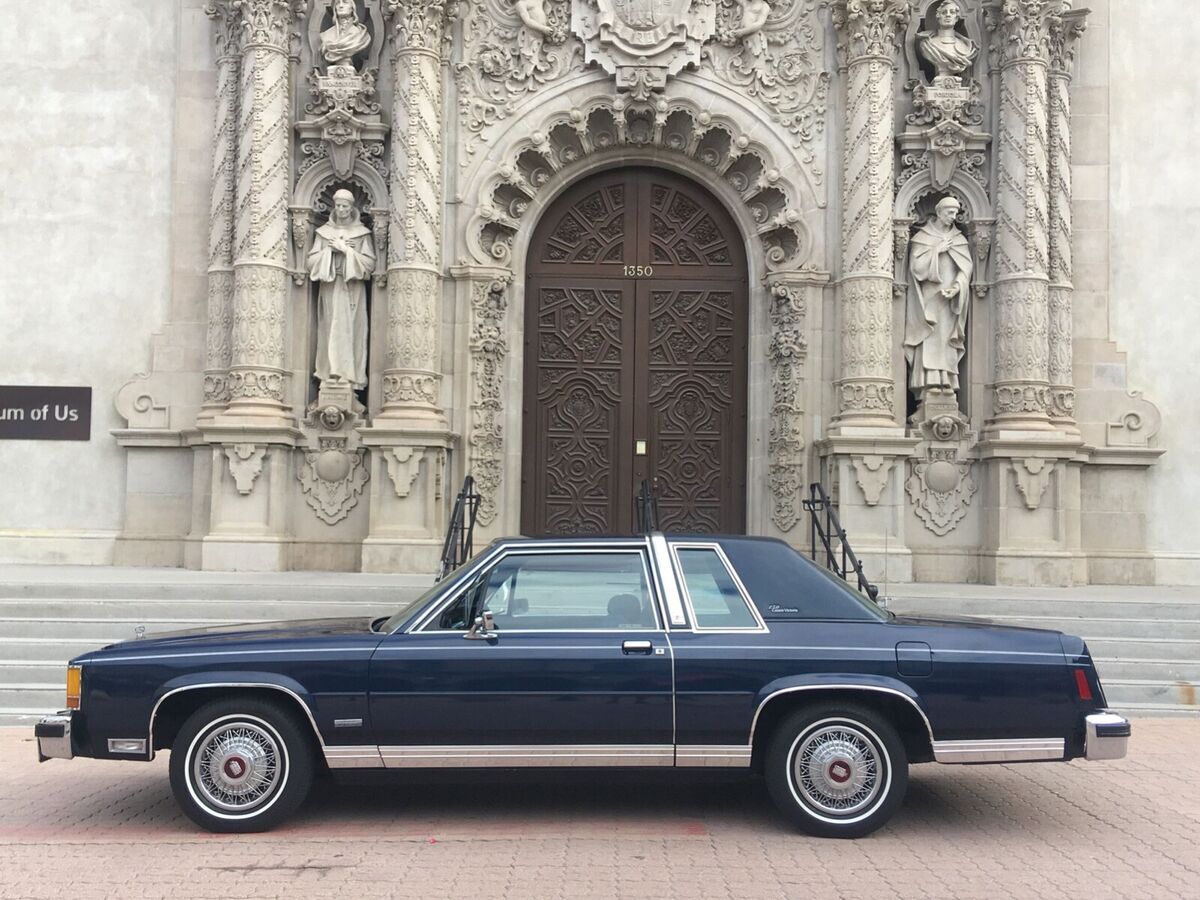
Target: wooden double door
x: 635, y: 359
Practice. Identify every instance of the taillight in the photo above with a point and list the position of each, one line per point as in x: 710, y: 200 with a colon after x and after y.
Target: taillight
x: 74, y: 686
x: 1081, y: 683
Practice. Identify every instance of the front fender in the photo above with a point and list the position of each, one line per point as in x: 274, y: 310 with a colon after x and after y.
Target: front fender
x: 842, y: 682
x: 232, y: 680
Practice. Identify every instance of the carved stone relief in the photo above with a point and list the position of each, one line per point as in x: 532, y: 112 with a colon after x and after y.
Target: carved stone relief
x: 673, y: 126
x: 1032, y: 475
x: 871, y: 473
x: 245, y: 464
x: 489, y: 346
x: 404, y: 467
x: 788, y: 352
x: 331, y: 480
x: 510, y: 49
x: 773, y: 52
x: 940, y: 488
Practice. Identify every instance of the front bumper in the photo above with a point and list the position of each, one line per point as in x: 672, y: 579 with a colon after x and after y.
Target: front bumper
x: 53, y: 735
x: 1107, y: 736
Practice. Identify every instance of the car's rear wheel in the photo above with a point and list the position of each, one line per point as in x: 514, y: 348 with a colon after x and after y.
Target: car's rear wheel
x: 837, y: 770
x: 241, y: 765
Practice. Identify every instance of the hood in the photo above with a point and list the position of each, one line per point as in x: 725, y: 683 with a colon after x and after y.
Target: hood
x: 251, y: 632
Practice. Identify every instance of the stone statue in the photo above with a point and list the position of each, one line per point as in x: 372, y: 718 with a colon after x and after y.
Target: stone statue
x: 754, y: 18
x: 348, y: 36
x: 939, y: 295
x: 341, y: 261
x: 949, y: 52
x: 533, y: 14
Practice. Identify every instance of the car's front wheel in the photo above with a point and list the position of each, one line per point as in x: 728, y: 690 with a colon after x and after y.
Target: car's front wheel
x: 241, y: 765
x: 837, y: 770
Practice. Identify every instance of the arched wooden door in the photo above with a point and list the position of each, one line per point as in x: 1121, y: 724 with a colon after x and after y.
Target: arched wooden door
x: 635, y: 359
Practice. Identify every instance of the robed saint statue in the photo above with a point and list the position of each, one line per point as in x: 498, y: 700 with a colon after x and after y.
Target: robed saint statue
x: 939, y: 296
x: 341, y: 262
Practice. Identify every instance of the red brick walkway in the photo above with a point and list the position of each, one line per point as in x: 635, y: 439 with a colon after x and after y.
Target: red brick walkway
x: 85, y: 829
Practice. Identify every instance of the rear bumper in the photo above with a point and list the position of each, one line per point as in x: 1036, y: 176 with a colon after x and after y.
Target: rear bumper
x: 53, y: 735
x: 1107, y: 736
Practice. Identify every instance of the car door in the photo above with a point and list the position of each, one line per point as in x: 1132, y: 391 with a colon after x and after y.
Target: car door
x: 576, y: 669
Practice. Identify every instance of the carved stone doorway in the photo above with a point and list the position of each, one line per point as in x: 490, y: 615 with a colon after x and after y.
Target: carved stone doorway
x: 635, y: 359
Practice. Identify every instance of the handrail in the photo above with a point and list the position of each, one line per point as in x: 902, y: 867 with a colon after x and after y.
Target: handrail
x: 460, y: 533
x: 818, y: 504
x: 647, y: 508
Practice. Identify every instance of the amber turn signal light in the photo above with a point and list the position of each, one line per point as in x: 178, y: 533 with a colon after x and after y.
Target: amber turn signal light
x: 74, y: 686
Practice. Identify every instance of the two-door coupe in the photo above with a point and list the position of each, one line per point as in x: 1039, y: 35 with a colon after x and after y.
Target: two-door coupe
x: 660, y: 650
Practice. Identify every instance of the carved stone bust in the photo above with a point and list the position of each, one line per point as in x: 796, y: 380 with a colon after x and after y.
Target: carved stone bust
x: 949, y: 52
x: 347, y: 37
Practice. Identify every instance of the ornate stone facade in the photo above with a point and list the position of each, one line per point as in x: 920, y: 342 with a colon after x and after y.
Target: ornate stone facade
x: 456, y: 127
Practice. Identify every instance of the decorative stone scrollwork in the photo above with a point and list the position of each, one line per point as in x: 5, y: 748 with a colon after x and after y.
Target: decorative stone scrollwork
x: 788, y: 351
x: 331, y: 480
x: 245, y: 464
x: 869, y: 28
x: 672, y: 126
x: 489, y: 346
x: 1137, y: 427
x: 941, y: 488
x: 871, y: 474
x: 772, y: 52
x: 420, y: 24
x: 1033, y: 477
x: 269, y: 22
x: 509, y: 51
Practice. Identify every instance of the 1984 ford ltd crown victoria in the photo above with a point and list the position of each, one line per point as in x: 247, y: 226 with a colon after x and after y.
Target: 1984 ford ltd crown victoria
x: 648, y: 651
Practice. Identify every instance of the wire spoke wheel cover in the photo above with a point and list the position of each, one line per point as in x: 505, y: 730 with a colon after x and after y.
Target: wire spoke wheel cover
x: 237, y: 766
x: 838, y: 768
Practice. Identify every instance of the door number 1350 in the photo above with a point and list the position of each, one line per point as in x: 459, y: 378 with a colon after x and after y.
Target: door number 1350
x: 639, y: 271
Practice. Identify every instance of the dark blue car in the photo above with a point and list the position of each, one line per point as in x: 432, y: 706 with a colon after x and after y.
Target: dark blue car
x: 648, y: 651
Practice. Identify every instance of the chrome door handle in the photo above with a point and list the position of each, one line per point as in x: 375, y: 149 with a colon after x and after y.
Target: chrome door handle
x: 636, y: 646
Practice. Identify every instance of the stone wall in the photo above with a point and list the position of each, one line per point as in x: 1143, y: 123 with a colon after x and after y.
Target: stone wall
x: 88, y: 101
x: 1154, y: 213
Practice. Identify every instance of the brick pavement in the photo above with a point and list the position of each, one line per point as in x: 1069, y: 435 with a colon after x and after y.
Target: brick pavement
x: 1130, y: 828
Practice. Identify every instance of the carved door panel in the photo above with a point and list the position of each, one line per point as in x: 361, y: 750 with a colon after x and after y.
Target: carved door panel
x: 635, y: 359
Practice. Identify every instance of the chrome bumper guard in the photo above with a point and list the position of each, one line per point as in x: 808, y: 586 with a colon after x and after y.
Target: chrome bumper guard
x: 53, y: 735
x: 1107, y: 736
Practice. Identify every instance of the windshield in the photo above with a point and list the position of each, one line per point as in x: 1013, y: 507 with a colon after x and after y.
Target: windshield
x: 405, y: 611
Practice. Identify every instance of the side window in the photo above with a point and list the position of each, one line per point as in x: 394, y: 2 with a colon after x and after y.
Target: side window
x: 715, y: 597
x: 563, y: 591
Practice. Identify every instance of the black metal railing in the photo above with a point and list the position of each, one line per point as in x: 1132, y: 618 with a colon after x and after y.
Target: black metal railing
x: 460, y: 534
x: 835, y: 550
x: 647, y: 508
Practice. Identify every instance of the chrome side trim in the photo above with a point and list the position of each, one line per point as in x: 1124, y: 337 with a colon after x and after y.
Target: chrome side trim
x: 230, y: 684
x: 528, y: 755
x: 841, y: 687
x: 364, y: 757
x: 1008, y: 750
x: 665, y: 572
x: 713, y: 756
x: 136, y: 746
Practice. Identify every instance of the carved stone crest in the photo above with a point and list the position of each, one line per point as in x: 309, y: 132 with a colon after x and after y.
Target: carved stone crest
x: 643, y: 42
x: 331, y: 480
x: 941, y: 488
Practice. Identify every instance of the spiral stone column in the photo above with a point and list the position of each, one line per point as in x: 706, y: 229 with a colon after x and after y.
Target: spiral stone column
x: 220, y: 222
x: 1064, y: 33
x: 412, y: 375
x: 868, y: 32
x: 1021, y: 392
x: 260, y: 257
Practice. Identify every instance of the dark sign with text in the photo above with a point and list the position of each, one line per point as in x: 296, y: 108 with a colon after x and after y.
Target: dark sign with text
x: 45, y: 413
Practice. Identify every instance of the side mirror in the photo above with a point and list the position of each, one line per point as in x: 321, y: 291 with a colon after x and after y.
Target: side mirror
x: 483, y: 628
